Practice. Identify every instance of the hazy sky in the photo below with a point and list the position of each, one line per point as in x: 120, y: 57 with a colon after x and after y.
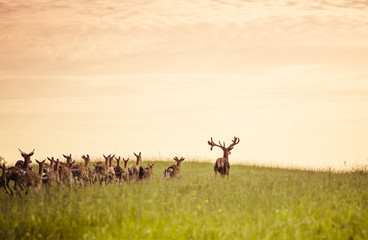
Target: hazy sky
x: 290, y: 78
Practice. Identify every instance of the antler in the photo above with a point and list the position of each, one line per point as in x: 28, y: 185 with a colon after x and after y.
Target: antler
x: 212, y: 144
x: 235, y: 141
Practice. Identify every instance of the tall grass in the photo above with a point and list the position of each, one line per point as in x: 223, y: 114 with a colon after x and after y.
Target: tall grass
x: 253, y: 203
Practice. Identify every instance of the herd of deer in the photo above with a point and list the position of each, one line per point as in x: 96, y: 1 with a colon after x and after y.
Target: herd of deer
x: 64, y: 173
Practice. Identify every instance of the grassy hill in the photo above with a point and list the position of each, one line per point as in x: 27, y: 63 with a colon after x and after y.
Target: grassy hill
x: 253, y: 203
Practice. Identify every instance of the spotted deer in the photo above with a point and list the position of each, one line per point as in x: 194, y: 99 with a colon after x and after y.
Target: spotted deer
x: 15, y: 173
x: 81, y: 173
x: 174, y: 170
x: 65, y: 174
x: 31, y: 178
x: 52, y: 177
x: 222, y: 165
x: 134, y: 169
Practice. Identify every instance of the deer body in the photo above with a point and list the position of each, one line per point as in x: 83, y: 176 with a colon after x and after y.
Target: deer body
x: 222, y: 165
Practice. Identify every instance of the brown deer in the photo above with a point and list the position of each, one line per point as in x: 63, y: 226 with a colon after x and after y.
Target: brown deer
x: 174, y: 170
x: 146, y: 173
x: 65, y: 173
x: 118, y: 170
x: 27, y: 159
x: 15, y: 173
x: 81, y: 173
x: 111, y: 170
x: 52, y: 177
x: 125, y: 172
x: 3, y: 180
x: 48, y: 167
x: 222, y: 165
x: 134, y: 169
x: 31, y: 178
x: 101, y: 170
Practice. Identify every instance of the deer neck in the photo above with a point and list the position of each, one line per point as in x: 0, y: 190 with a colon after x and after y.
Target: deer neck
x: 178, y: 163
x: 40, y: 170
x: 125, y: 164
x: 26, y: 162
x: 226, y: 155
x: 137, y: 163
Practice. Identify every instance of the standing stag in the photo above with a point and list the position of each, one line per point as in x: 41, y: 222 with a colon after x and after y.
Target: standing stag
x: 174, y: 170
x: 222, y: 165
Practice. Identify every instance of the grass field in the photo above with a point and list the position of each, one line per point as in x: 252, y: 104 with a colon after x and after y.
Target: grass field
x: 254, y: 203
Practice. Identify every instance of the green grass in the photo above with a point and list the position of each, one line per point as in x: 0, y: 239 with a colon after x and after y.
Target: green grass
x: 254, y: 203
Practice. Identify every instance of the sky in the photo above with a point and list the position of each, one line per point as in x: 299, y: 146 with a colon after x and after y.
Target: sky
x: 289, y: 78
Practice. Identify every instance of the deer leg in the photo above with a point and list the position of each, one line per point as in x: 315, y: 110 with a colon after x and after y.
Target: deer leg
x: 7, y: 185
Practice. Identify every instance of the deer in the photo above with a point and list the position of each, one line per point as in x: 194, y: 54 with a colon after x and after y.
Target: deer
x: 118, y: 170
x: 48, y: 167
x: 222, y: 165
x: 125, y: 172
x: 3, y: 180
x: 27, y: 159
x: 101, y: 170
x: 15, y: 173
x: 174, y: 170
x: 52, y: 177
x: 146, y: 173
x: 111, y: 170
x: 81, y: 173
x: 31, y: 178
x: 134, y: 169
x: 65, y: 174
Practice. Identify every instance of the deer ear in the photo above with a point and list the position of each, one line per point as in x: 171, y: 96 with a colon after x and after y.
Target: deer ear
x: 140, y: 154
x: 88, y: 155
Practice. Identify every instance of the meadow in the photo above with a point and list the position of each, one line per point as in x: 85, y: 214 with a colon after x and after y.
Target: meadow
x: 253, y: 203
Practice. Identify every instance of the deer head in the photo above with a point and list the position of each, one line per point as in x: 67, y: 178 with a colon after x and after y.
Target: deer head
x: 178, y: 161
x: 226, y: 150
x: 27, y: 157
x: 68, y: 158
x: 86, y: 159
